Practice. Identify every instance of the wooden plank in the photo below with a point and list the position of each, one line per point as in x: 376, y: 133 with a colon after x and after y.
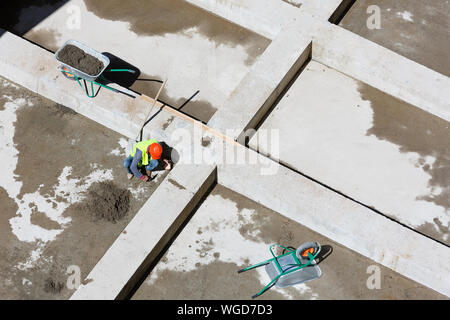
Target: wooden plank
x: 193, y: 121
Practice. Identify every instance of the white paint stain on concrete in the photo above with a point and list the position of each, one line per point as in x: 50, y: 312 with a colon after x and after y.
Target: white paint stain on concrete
x: 406, y: 15
x: 32, y: 260
x: 72, y: 190
x: 122, y: 150
x: 215, y: 228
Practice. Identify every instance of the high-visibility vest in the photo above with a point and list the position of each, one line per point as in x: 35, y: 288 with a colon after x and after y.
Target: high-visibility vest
x: 143, y: 146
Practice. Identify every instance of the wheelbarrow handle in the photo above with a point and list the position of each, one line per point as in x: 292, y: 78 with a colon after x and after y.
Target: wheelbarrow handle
x: 122, y: 70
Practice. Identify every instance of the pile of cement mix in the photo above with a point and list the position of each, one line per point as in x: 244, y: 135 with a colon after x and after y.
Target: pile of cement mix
x: 106, y: 201
x: 51, y: 286
x: 77, y: 58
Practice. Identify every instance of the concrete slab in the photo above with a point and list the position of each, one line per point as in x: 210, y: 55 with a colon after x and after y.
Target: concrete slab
x: 339, y: 218
x: 173, y: 39
x: 381, y: 68
x: 148, y: 233
x: 246, y: 84
x: 370, y: 146
x: 418, y: 30
x: 336, y: 47
x: 265, y: 17
x: 60, y: 172
x: 229, y: 232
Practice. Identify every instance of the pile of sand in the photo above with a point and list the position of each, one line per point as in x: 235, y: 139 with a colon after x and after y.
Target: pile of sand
x: 106, y: 201
x: 77, y: 58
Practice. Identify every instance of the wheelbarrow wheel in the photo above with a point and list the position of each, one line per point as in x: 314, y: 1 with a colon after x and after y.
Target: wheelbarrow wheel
x: 304, y: 249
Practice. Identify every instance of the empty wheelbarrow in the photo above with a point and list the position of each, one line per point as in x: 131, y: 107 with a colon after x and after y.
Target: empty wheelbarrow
x: 74, y: 73
x: 293, y: 266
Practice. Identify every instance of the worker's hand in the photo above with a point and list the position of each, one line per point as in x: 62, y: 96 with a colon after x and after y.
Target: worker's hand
x: 144, y: 178
x: 168, y: 166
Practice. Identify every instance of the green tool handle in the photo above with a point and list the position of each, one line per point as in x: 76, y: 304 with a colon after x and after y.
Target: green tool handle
x: 255, y: 266
x: 122, y: 70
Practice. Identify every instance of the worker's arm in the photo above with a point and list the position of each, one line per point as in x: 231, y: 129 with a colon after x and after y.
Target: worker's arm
x: 167, y: 166
x: 134, y: 164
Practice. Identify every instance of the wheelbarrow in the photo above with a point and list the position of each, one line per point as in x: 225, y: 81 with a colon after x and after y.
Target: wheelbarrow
x: 72, y: 73
x: 292, y: 267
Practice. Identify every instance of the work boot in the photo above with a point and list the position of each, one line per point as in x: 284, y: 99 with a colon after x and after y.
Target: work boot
x: 130, y: 176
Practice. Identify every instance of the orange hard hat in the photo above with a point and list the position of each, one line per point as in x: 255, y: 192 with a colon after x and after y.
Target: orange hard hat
x: 155, y: 150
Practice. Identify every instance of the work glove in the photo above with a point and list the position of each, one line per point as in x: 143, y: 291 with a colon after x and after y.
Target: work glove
x: 144, y: 178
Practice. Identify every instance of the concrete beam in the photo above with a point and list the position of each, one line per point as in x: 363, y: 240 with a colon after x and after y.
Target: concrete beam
x: 146, y: 236
x: 342, y: 220
x: 325, y: 9
x: 265, y: 17
x: 269, y: 75
x: 381, y: 68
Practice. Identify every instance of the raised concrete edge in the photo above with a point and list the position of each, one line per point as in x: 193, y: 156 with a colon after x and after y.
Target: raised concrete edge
x: 146, y: 236
x: 382, y: 68
x: 271, y: 73
x: 340, y: 219
x: 325, y: 9
x: 265, y: 17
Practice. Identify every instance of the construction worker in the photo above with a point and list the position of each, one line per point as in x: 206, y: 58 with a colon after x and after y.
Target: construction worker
x: 144, y: 154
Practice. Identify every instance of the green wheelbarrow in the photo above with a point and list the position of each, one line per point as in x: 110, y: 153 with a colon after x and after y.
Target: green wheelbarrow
x: 72, y: 73
x: 293, y: 266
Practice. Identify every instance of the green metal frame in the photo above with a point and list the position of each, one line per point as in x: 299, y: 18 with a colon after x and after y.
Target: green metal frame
x: 298, y: 265
x: 93, y: 95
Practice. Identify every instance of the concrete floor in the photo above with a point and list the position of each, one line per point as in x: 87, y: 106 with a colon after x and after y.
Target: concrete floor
x: 368, y: 145
x: 229, y: 232
x: 193, y: 49
x: 295, y: 3
x: 53, y: 160
x: 418, y: 30
x: 374, y: 148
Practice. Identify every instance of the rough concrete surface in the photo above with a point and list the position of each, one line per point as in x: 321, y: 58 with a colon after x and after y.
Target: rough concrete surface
x: 370, y: 146
x: 193, y: 49
x: 59, y: 169
x: 418, y: 30
x: 229, y: 232
x: 67, y: 204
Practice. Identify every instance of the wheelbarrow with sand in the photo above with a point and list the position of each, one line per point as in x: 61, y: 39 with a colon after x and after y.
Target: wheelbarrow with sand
x: 292, y: 267
x: 81, y: 63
